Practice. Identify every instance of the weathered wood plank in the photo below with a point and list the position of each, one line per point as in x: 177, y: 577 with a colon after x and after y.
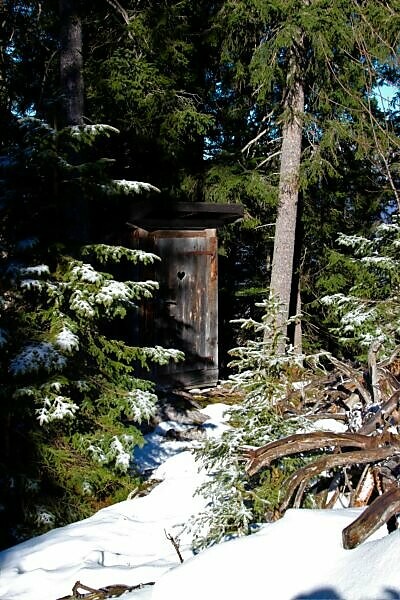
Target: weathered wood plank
x: 185, y: 316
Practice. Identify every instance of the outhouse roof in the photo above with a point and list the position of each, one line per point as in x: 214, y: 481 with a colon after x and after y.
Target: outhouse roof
x: 156, y: 214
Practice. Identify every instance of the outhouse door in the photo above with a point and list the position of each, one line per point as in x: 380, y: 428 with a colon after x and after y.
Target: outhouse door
x: 185, y: 311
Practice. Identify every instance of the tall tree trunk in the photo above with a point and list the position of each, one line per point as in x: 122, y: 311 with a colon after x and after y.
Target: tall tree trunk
x: 71, y: 63
x: 285, y: 227
x: 72, y: 89
x: 298, y: 332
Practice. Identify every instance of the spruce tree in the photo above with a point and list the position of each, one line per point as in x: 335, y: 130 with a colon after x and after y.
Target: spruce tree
x: 72, y: 397
x: 236, y: 502
x: 147, y: 71
x: 334, y: 55
x: 367, y: 310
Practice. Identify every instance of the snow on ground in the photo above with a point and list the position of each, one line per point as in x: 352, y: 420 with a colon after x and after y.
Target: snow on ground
x: 299, y: 557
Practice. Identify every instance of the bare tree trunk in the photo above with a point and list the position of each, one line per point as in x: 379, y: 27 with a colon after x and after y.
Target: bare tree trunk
x: 298, y: 331
x: 285, y: 228
x: 71, y: 63
x: 72, y: 89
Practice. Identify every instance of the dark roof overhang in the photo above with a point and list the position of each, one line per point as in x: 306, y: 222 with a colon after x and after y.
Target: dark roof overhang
x: 156, y: 214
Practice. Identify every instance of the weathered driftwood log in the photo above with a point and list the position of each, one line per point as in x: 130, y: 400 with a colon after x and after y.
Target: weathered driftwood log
x: 303, y: 442
x: 110, y: 591
x: 329, y: 462
x: 365, y: 487
x: 336, y: 416
x: 381, y: 415
x: 374, y: 516
x: 373, y: 370
x: 354, y: 376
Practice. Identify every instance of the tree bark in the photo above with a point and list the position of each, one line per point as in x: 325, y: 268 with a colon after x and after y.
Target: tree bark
x: 71, y: 63
x: 75, y: 203
x: 285, y: 227
x: 298, y: 330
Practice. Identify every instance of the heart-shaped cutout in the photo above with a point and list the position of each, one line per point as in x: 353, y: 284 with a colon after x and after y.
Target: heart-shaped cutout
x: 181, y: 275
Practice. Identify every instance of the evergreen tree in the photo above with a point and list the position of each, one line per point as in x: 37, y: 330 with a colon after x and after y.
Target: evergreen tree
x: 331, y: 53
x: 71, y: 397
x: 202, y: 94
x: 368, y: 310
x: 237, y: 503
x: 352, y: 201
x: 146, y: 70
x: 30, y: 61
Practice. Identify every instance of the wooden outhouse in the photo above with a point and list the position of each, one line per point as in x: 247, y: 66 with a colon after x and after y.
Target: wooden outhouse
x: 184, y: 313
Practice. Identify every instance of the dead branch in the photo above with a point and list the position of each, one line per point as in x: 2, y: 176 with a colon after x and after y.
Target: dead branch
x: 270, y: 157
x: 388, y: 382
x: 381, y: 416
x: 336, y: 395
x: 354, y: 376
x: 80, y: 586
x: 366, y: 485
x: 260, y: 134
x: 109, y: 591
x: 329, y: 462
x: 391, y: 359
x: 337, y: 416
x: 254, y: 140
x: 374, y: 516
x: 117, y: 6
x: 302, y: 442
x: 175, y: 544
x: 373, y: 371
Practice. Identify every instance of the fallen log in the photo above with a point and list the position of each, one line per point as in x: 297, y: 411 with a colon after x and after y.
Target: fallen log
x: 304, y: 474
x: 303, y: 442
x: 374, y: 516
x: 381, y: 415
